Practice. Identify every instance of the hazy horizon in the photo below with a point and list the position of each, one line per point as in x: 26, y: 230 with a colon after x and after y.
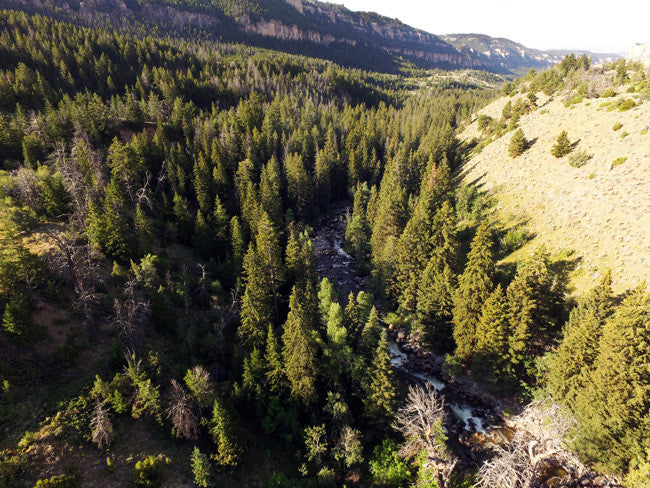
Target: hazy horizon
x: 557, y: 25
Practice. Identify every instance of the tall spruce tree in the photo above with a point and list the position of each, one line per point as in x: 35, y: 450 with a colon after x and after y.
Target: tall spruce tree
x: 575, y: 358
x: 257, y: 303
x: 221, y: 429
x: 203, y: 184
x: 270, y: 256
x: 613, y: 411
x: 380, y: 391
x: 118, y: 225
x: 492, y: 331
x: 299, y: 350
x: 474, y: 287
x: 438, y: 282
x: 275, y: 378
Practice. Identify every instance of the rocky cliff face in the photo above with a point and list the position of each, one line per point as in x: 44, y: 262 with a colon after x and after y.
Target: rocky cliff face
x: 365, y: 39
x: 640, y: 52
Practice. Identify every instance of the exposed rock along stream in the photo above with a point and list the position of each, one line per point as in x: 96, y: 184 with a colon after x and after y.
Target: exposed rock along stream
x: 470, y: 415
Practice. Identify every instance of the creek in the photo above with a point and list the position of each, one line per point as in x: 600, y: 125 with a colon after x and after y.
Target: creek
x: 474, y: 418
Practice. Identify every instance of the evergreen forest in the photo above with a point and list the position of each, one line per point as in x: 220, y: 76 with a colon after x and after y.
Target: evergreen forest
x: 165, y: 320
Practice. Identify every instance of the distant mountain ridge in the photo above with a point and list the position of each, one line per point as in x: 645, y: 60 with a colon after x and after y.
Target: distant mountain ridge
x: 509, y: 56
x: 359, y: 39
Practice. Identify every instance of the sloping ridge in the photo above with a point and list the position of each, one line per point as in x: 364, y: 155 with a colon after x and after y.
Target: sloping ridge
x: 309, y: 27
x: 600, y: 210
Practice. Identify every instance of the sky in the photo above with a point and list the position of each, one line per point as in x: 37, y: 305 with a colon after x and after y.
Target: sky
x: 543, y: 24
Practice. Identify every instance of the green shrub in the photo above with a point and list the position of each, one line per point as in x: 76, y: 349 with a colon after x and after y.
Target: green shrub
x: 72, y: 479
x: 626, y: 105
x: 514, y: 239
x: 573, y: 101
x: 66, y: 355
x: 618, y: 161
x: 148, y: 472
x: 610, y: 92
x: 624, y: 134
x: 591, y: 176
x: 17, y: 322
x: 386, y: 467
x: 579, y: 158
x: 617, y: 126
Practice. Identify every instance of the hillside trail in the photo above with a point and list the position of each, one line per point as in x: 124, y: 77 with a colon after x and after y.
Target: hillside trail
x: 473, y: 417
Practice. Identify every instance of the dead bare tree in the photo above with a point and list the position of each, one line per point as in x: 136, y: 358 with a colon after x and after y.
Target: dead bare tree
x: 26, y: 188
x: 81, y: 269
x: 101, y: 425
x: 537, y: 445
x: 421, y: 422
x: 132, y: 314
x: 181, y: 413
x: 224, y: 316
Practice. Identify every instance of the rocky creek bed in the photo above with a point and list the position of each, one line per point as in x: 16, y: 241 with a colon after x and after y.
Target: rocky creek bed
x: 473, y: 418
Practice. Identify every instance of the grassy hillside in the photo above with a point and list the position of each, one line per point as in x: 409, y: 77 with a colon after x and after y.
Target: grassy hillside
x: 598, y: 210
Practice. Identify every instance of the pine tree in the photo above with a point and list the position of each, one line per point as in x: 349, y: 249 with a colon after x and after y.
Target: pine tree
x: 518, y: 144
x: 201, y: 468
x: 271, y: 192
x: 17, y: 321
x: 437, y: 283
x: 535, y: 299
x: 144, y: 230
x: 492, y: 332
x: 327, y: 295
x: 118, y: 227
x: 392, y: 216
x: 300, y: 260
x: 614, y: 409
x: 299, y: 351
x: 326, y: 162
x: 254, y: 374
x: 575, y: 358
x: 257, y: 303
x: 221, y: 431
x: 435, y: 307
x: 220, y: 228
x: 237, y: 244
x: 270, y: 256
x: 275, y: 378
x: 203, y: 239
x: 475, y: 286
x: 522, y: 303
x: 184, y: 226
x: 353, y: 322
x: 414, y: 248
x: 562, y: 145
x: 380, y: 391
x: 299, y: 186
x: 370, y: 335
x: 358, y: 230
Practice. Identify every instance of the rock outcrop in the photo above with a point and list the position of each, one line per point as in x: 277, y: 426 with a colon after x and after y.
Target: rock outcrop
x: 640, y: 52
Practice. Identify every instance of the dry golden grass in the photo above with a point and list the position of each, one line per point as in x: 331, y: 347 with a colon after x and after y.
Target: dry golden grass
x: 602, y: 211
